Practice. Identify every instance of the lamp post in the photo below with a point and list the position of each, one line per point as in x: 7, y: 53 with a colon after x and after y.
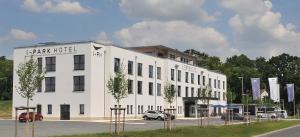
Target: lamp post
x: 242, y: 78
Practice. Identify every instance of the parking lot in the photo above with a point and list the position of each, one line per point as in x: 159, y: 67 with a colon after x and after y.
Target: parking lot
x: 51, y: 128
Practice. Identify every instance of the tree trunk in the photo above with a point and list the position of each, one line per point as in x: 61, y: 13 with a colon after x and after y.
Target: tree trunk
x: 27, y: 119
x: 118, y: 113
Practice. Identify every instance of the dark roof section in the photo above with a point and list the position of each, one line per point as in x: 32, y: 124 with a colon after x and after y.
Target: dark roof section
x: 162, y: 47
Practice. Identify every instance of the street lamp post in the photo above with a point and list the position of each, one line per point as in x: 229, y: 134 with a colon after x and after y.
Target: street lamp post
x: 242, y: 78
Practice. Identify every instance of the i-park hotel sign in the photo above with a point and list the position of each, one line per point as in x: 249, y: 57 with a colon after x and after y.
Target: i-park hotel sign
x: 51, y: 51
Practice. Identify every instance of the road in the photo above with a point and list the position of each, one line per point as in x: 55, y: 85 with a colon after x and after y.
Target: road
x: 290, y: 132
x: 51, y: 128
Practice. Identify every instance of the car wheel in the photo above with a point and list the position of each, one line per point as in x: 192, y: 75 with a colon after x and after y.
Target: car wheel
x: 160, y: 118
x: 41, y: 119
x: 272, y: 117
x: 146, y: 118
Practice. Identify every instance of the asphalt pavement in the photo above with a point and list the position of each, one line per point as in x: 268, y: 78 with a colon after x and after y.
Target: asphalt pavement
x: 52, y: 128
x: 289, y: 132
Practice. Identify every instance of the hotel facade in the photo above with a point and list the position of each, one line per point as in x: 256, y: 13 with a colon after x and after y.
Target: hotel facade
x: 77, y: 72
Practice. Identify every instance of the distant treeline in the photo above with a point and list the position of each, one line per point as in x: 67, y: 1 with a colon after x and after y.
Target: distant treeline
x: 6, y: 78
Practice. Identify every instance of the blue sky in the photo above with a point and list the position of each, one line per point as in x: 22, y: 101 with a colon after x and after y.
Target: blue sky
x: 219, y: 27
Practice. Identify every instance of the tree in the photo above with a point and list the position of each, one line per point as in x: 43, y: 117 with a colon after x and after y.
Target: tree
x: 205, y: 95
x: 6, y: 78
x: 230, y: 96
x: 117, y: 86
x: 30, y: 79
x: 169, y: 95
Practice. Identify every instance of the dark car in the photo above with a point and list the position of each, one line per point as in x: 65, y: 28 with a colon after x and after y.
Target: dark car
x: 37, y: 117
x: 235, y: 116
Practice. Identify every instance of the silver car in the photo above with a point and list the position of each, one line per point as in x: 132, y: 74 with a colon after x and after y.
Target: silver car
x: 154, y: 114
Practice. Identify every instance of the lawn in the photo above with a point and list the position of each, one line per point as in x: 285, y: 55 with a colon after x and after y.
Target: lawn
x: 211, y: 131
x: 5, y: 108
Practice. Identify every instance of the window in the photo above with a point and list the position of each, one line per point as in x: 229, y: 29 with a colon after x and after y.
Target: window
x: 179, y: 91
x: 158, y: 72
x: 192, y: 92
x: 172, y: 87
x: 215, y: 83
x: 172, y: 56
x: 158, y: 89
x: 224, y: 85
x: 151, y: 107
x: 199, y: 80
x: 116, y: 64
x: 50, y: 84
x: 157, y: 108
x: 219, y: 84
x: 39, y: 87
x: 186, y: 77
x: 49, y: 109
x: 130, y: 67
x: 150, y: 71
x: 224, y: 96
x: 131, y: 106
x: 78, y: 83
x: 219, y: 95
x: 127, y: 109
x: 50, y: 64
x: 203, y: 81
x: 139, y: 109
x: 172, y: 74
x: 186, y: 91
x: 215, y: 94
x: 209, y: 82
x: 140, y: 69
x: 150, y: 88
x: 130, y: 86
x: 140, y: 87
x: 142, y: 109
x: 192, y: 78
x: 81, y: 108
x: 179, y: 75
x: 40, y: 64
x: 78, y: 62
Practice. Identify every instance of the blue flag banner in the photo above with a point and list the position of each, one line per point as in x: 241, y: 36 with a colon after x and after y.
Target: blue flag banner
x: 255, y: 82
x: 290, y: 92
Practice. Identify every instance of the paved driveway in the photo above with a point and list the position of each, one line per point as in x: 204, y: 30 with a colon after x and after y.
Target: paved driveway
x: 51, y: 128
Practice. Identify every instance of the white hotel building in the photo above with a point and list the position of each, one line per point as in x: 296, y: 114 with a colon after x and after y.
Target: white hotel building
x: 76, y: 74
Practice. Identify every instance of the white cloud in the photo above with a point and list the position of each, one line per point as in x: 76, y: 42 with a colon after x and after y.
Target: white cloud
x: 166, y: 10
x: 22, y: 35
x: 258, y: 31
x: 62, y: 6
x: 102, y: 37
x: 17, y: 34
x: 176, y: 34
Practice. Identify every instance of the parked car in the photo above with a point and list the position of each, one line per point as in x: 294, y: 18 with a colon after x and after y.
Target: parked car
x: 266, y: 115
x: 235, y: 116
x: 23, y: 118
x: 156, y: 115
x: 281, y: 113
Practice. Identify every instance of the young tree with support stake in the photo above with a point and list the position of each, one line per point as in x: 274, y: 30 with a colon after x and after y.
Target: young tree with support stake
x: 30, y: 78
x: 204, y: 94
x: 117, y: 86
x: 169, y: 95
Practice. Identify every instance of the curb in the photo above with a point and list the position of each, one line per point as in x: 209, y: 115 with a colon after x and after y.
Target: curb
x: 271, y: 132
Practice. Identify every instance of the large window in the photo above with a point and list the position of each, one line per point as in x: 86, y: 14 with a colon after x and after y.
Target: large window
x: 40, y: 64
x: 172, y: 74
x: 150, y: 88
x: 78, y: 83
x: 140, y: 69
x: 50, y: 84
x: 179, y: 91
x: 203, y: 80
x: 192, y: 92
x: 79, y: 62
x: 186, y: 77
x: 179, y: 75
x: 116, y: 64
x: 224, y: 85
x: 140, y: 87
x: 219, y: 84
x: 199, y: 80
x: 50, y: 64
x: 215, y: 83
x: 158, y: 72
x: 158, y: 89
x: 150, y: 71
x: 49, y: 109
x: 192, y: 78
x: 130, y: 67
x: 209, y: 82
x: 81, y: 109
x: 186, y: 91
x: 130, y: 86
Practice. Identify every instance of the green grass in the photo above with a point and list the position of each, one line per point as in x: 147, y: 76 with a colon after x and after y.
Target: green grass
x: 5, y: 108
x: 240, y: 130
